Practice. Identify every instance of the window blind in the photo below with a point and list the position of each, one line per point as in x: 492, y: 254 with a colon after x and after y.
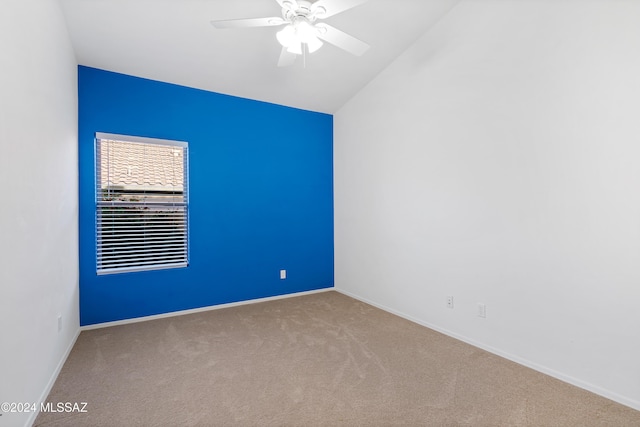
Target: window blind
x: 141, y: 204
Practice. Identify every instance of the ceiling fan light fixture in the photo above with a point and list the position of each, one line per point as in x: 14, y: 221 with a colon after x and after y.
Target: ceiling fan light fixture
x: 287, y: 36
x: 300, y: 32
x: 295, y: 48
x: 314, y: 44
x: 304, y: 29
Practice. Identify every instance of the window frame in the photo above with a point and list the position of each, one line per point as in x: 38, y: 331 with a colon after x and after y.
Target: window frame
x: 100, y: 204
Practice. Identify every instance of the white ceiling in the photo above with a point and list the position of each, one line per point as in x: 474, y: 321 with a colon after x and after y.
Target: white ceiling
x: 173, y: 41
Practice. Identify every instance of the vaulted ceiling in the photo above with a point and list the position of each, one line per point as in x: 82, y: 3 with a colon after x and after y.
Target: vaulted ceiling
x: 173, y: 41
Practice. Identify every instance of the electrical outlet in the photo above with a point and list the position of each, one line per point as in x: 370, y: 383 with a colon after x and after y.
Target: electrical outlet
x: 482, y: 310
x: 283, y: 274
x: 449, y: 302
x: 59, y: 323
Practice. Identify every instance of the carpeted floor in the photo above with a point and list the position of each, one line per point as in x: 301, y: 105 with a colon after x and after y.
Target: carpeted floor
x: 322, y: 359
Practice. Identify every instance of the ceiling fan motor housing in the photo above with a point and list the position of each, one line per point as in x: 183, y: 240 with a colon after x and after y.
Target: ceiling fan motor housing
x: 302, y: 9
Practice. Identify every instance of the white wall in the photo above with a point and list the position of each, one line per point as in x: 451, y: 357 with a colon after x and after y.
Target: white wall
x: 39, y: 214
x: 498, y: 161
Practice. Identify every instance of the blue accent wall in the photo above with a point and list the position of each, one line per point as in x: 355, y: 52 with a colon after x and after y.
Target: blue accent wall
x: 261, y: 196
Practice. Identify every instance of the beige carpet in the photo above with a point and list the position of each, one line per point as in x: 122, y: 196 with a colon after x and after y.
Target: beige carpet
x: 322, y: 359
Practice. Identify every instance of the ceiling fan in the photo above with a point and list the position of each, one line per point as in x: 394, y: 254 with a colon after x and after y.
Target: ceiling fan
x: 303, y: 32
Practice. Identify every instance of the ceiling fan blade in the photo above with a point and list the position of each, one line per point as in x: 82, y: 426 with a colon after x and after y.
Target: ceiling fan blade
x: 333, y: 7
x: 341, y: 39
x: 247, y: 23
x: 286, y: 58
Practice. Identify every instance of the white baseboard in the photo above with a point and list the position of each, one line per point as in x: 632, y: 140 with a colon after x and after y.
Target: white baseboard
x: 201, y: 309
x: 52, y: 380
x: 632, y: 403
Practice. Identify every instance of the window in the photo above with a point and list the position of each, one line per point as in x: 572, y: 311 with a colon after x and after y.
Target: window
x: 141, y: 204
